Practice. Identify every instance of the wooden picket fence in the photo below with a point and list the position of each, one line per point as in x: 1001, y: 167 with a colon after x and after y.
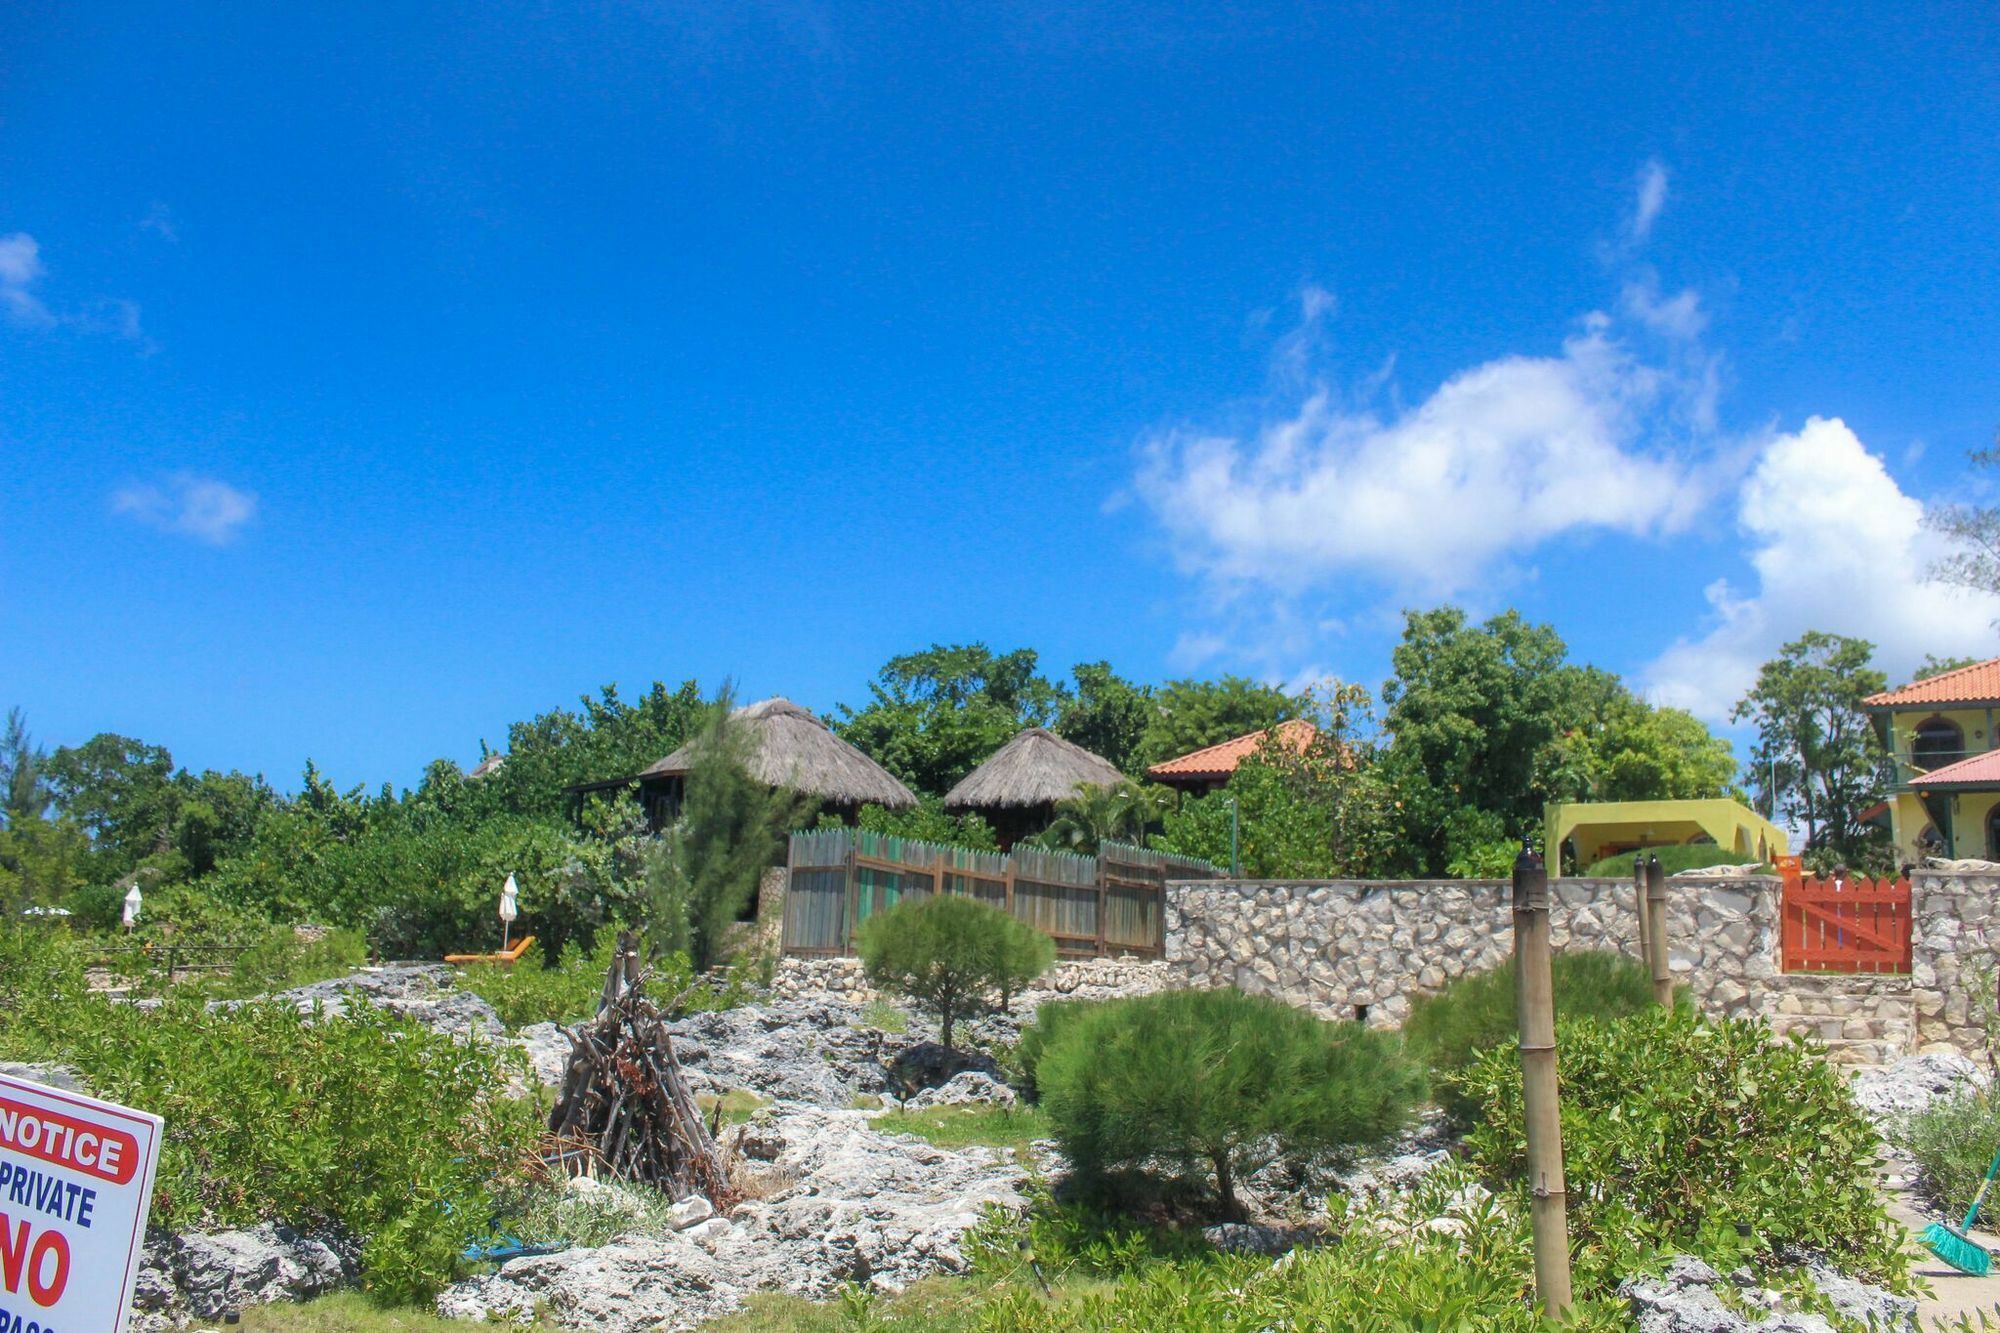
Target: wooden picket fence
x: 1856, y: 925
x: 1091, y: 906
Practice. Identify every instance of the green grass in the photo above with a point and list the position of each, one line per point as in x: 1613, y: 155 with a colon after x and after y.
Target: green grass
x: 939, y: 1303
x: 1012, y: 1127
x: 738, y: 1105
x: 884, y: 1016
x: 1673, y: 860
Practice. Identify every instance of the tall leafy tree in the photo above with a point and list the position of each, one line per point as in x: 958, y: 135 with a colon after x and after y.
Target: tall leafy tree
x: 121, y: 791
x: 934, y: 716
x: 1191, y: 715
x: 1817, y: 761
x: 1106, y: 714
x: 1472, y: 712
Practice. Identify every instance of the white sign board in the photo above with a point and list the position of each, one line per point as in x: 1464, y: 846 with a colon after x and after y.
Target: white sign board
x: 76, y: 1178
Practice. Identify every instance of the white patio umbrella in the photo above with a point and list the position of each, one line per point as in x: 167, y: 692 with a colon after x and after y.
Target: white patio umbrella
x: 508, y: 909
x: 132, y: 901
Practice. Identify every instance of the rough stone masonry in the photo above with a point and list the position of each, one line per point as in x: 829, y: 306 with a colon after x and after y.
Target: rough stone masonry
x: 1365, y: 948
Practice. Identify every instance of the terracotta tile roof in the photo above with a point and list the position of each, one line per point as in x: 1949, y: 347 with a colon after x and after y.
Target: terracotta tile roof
x: 1220, y: 760
x: 1975, y: 684
x: 1981, y: 770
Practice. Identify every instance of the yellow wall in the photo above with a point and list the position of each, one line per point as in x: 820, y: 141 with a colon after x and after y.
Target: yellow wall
x: 1597, y: 825
x: 1972, y: 722
x: 1907, y: 816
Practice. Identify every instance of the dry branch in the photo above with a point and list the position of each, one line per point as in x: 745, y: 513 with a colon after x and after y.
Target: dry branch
x: 623, y: 1093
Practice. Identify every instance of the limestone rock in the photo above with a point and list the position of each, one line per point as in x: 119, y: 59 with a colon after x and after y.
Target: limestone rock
x: 1910, y: 1085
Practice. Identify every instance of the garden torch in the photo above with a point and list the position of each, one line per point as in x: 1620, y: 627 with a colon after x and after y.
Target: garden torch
x: 1536, y: 1004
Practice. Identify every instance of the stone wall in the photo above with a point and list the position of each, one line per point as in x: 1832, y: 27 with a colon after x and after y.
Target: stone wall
x: 1956, y: 932
x: 811, y: 978
x: 1365, y: 948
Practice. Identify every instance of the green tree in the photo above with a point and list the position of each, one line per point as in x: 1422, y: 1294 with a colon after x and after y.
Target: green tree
x: 1473, y: 711
x: 1216, y: 1083
x: 949, y: 954
x: 1124, y: 813
x: 731, y: 829
x: 933, y: 716
x: 1190, y: 715
x: 121, y: 791
x: 606, y: 738
x: 1817, y: 761
x: 929, y: 821
x: 1327, y: 810
x: 1106, y: 714
x: 1937, y: 666
x: 23, y: 786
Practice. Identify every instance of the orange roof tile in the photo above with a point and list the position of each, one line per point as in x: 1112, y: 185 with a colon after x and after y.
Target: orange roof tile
x: 1980, y: 770
x: 1220, y: 760
x: 1975, y: 684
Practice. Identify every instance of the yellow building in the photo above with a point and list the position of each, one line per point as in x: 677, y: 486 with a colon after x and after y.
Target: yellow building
x: 1945, y: 797
x: 1605, y: 828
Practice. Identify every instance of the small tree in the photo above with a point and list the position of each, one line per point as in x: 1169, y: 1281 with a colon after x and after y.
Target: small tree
x: 1216, y: 1082
x: 731, y: 828
x: 949, y: 953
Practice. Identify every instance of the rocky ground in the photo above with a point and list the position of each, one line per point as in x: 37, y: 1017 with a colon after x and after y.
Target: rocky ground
x: 830, y: 1200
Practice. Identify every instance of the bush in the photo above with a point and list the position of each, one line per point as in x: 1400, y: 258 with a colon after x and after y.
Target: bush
x: 1052, y: 1017
x: 1216, y: 1084
x: 1952, y: 1141
x: 366, y: 1122
x: 1475, y: 1013
x: 529, y: 991
x: 1678, y: 1131
x: 948, y: 953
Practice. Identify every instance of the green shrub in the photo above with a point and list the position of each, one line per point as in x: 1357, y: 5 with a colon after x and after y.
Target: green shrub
x: 1051, y: 1018
x: 1475, y: 1013
x: 278, y: 958
x: 1215, y: 1084
x: 95, y: 907
x: 949, y: 954
x: 528, y: 991
x: 1953, y: 1140
x: 368, y: 1122
x: 1678, y: 1131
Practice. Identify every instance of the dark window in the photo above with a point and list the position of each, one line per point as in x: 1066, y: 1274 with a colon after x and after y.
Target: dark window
x: 1937, y: 743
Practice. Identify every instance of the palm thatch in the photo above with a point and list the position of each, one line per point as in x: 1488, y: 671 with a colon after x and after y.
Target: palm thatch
x: 790, y: 747
x: 1036, y: 768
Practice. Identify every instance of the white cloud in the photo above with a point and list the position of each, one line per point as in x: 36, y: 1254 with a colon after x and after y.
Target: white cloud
x: 1501, y: 459
x: 203, y: 508
x: 20, y: 270
x: 21, y: 273
x: 1649, y: 197
x: 1836, y: 546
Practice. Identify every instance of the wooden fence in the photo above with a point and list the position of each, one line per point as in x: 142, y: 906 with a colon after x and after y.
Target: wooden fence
x: 1091, y: 906
x: 1851, y: 925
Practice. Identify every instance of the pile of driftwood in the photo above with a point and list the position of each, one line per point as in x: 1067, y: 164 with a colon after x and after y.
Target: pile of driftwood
x: 623, y: 1097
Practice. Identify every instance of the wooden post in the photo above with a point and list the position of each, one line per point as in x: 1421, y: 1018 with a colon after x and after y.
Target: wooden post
x: 1639, y: 907
x: 1535, y: 1002
x: 1656, y: 933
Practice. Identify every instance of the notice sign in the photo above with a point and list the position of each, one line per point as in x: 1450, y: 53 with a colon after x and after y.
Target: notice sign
x: 76, y: 1178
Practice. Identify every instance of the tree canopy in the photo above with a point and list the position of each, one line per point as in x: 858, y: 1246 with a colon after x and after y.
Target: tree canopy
x: 1817, y: 762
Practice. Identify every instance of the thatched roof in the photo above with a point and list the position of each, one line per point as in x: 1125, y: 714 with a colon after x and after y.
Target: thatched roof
x: 790, y: 747
x: 1037, y: 767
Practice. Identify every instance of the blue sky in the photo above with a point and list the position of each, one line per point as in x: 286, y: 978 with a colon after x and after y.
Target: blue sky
x: 370, y: 378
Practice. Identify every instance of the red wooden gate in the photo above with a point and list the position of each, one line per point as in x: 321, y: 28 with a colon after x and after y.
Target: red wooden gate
x: 1850, y: 925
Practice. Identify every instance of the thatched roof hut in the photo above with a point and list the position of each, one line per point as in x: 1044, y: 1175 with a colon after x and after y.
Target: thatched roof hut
x: 1018, y: 788
x: 791, y: 747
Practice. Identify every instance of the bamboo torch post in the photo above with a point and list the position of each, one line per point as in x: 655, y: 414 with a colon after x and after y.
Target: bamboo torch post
x: 1656, y: 933
x: 1536, y: 1005
x: 1639, y: 907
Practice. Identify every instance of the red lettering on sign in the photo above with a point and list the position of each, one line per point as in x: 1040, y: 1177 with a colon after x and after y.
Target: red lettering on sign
x: 43, y: 1260
x: 48, y: 1268
x: 94, y: 1149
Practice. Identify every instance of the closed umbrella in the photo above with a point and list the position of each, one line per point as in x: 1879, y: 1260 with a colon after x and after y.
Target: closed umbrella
x: 508, y: 909
x: 132, y: 901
